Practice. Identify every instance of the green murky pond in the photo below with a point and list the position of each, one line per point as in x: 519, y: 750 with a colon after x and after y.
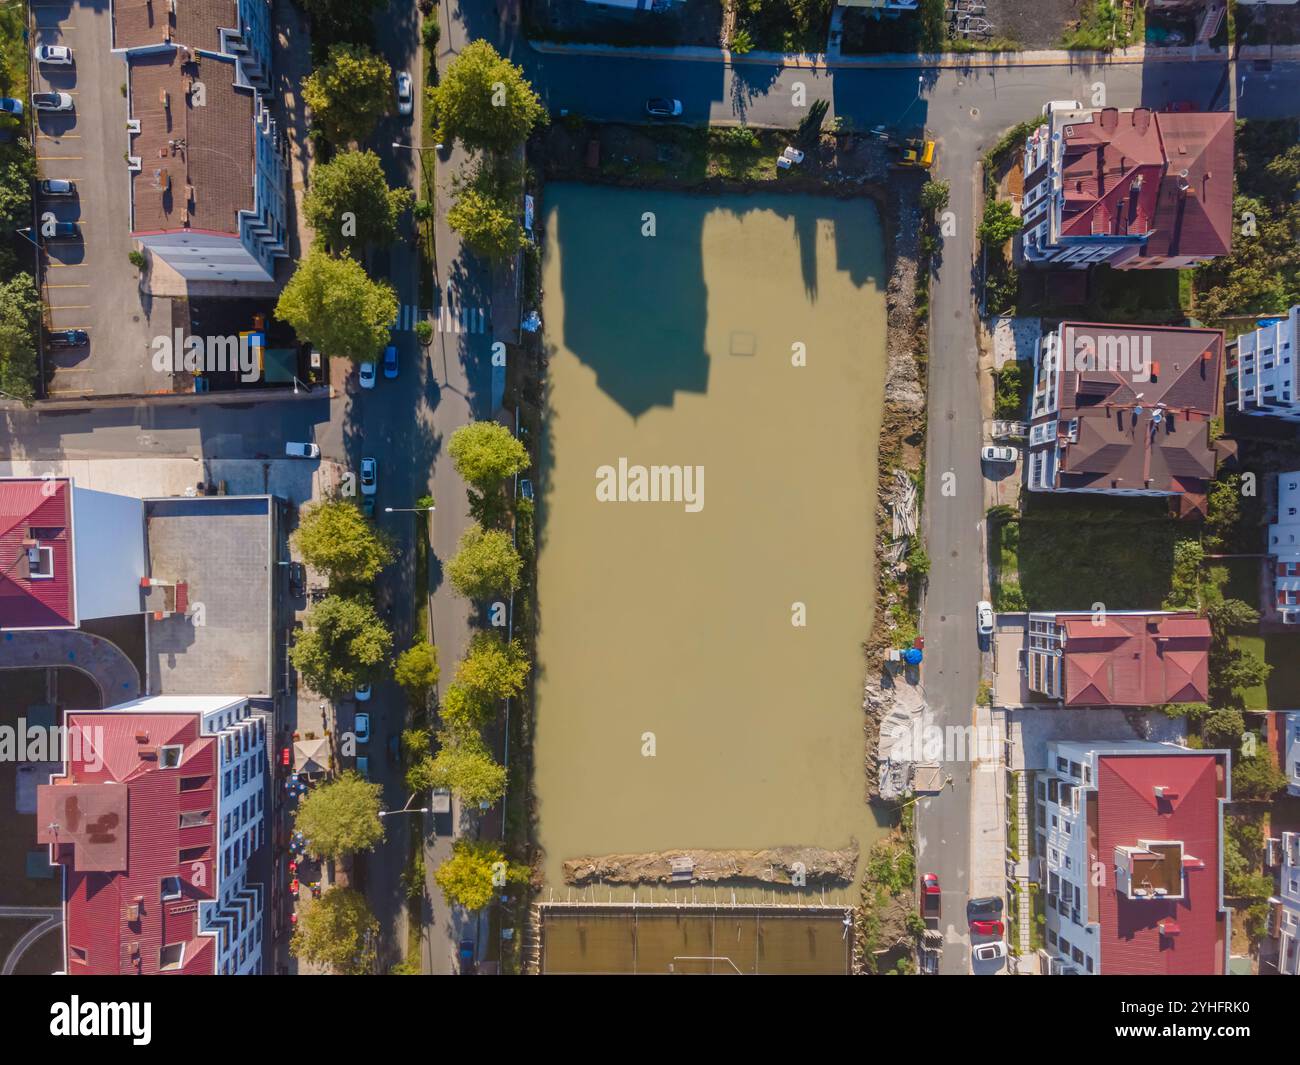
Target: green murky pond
x: 716, y: 366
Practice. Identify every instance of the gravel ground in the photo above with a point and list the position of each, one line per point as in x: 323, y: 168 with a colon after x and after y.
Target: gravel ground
x: 1034, y: 23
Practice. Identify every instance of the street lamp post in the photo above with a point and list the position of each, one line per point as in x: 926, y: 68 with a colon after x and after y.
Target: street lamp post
x: 26, y: 231
x: 409, y: 510
x: 407, y: 809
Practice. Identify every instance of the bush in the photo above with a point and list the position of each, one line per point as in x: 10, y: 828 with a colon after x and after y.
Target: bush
x: 431, y: 31
x: 136, y: 259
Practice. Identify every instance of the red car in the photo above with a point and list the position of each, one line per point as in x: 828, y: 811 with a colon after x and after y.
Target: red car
x: 284, y: 757
x: 930, y: 883
x: 987, y: 928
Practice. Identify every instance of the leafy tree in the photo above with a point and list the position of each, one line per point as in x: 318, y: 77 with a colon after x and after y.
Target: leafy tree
x: 999, y: 224
x: 1184, y: 590
x: 17, y: 172
x: 1256, y: 777
x: 467, y: 878
x: 486, y: 453
x: 465, y: 765
x: 493, y: 668
x: 20, y: 316
x: 1232, y: 614
x: 342, y: 645
x: 1237, y: 670
x: 934, y: 196
x: 334, y: 537
x: 484, y: 101
x: 464, y: 709
x: 350, y: 204
x: 341, y: 817
x: 349, y: 92
x: 810, y: 126
x: 1223, y: 509
x: 487, y: 564
x: 331, y: 303
x: 1223, y: 728
x: 417, y: 670
x: 337, y: 930
x: 487, y: 224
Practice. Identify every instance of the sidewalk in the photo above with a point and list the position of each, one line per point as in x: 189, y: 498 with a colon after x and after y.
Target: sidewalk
x: 1137, y: 55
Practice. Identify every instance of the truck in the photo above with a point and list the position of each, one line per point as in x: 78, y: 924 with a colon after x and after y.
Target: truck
x: 931, y: 910
x: 918, y: 152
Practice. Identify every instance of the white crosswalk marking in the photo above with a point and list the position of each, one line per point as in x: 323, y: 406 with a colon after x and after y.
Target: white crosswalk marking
x: 461, y: 319
x: 407, y: 317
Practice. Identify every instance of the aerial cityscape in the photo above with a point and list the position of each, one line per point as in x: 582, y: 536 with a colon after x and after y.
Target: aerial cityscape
x: 631, y: 487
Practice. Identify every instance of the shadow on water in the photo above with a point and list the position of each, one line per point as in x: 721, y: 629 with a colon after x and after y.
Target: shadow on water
x: 633, y: 278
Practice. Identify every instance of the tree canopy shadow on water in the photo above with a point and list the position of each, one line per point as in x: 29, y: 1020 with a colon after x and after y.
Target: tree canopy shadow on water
x: 636, y: 304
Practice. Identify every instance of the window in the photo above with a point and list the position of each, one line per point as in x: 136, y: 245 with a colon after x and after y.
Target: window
x: 171, y: 887
x: 40, y: 563
x: 193, y: 783
x: 171, y: 956
x: 169, y: 756
x: 193, y: 854
x: 195, y: 818
x: 77, y: 954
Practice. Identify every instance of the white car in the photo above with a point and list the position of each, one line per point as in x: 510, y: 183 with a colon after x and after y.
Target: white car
x: 990, y: 951
x: 55, y: 55
x: 992, y: 453
x: 52, y: 101
x: 361, y: 724
x: 301, y: 451
x: 366, y: 374
x: 405, y: 101
x: 369, y: 476
x: 362, y: 695
x: 984, y: 617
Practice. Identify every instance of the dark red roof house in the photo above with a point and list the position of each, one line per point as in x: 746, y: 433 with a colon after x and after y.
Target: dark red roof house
x: 1119, y: 659
x: 37, y: 579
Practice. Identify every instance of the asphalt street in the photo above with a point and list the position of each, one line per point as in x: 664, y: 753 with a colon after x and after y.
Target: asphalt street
x: 405, y: 423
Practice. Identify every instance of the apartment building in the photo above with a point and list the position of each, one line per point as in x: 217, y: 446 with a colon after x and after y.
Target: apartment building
x: 1285, y: 925
x: 1137, y: 189
x: 1125, y: 410
x: 1132, y: 840
x: 156, y: 819
x: 1291, y: 751
x: 1118, y: 658
x: 1284, y: 548
x: 207, y: 160
x: 1261, y: 374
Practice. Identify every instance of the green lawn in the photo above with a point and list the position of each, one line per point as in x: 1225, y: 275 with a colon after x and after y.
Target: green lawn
x: 1282, y: 689
x: 1075, y: 551
x: 1158, y: 297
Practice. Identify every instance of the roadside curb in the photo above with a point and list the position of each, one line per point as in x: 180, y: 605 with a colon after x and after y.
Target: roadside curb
x: 1137, y: 55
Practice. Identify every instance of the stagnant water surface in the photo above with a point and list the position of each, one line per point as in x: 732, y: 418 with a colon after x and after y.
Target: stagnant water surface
x: 667, y: 625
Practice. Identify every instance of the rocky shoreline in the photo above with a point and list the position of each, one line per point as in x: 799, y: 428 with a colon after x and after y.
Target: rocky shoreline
x: 771, y: 865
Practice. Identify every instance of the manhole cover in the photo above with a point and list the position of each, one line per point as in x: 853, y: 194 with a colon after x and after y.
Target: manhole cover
x: 951, y: 415
x: 974, y: 112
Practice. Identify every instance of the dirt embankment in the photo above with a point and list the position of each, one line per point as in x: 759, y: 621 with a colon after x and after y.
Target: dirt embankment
x: 772, y: 865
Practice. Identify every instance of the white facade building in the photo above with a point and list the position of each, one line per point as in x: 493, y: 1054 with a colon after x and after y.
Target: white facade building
x: 1284, y: 546
x: 1261, y: 372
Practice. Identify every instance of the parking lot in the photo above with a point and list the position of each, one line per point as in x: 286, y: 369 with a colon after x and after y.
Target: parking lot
x: 87, y: 280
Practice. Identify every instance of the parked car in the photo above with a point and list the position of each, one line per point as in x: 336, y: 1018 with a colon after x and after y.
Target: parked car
x: 366, y: 374
x: 405, y: 100
x: 54, y: 55
x: 66, y: 229
x: 368, y: 506
x: 68, y: 338
x: 466, y: 955
x: 363, y: 766
x: 52, y: 101
x: 361, y: 727
x: 990, y: 951
x: 986, y: 908
x: 994, y: 453
x: 987, y: 928
x: 301, y: 451
x: 984, y: 617
x: 297, y: 580
x: 663, y: 107
x: 369, y: 476
x: 931, y: 899
x: 362, y: 694
x: 393, y: 747
x: 390, y: 361
x: 57, y: 187
x: 10, y: 106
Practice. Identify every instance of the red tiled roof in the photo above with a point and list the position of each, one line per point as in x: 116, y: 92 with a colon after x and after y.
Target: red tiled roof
x: 36, y: 510
x: 141, y: 23
x: 1132, y: 173
x: 1128, y: 811
x: 98, y: 901
x: 1135, y: 659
